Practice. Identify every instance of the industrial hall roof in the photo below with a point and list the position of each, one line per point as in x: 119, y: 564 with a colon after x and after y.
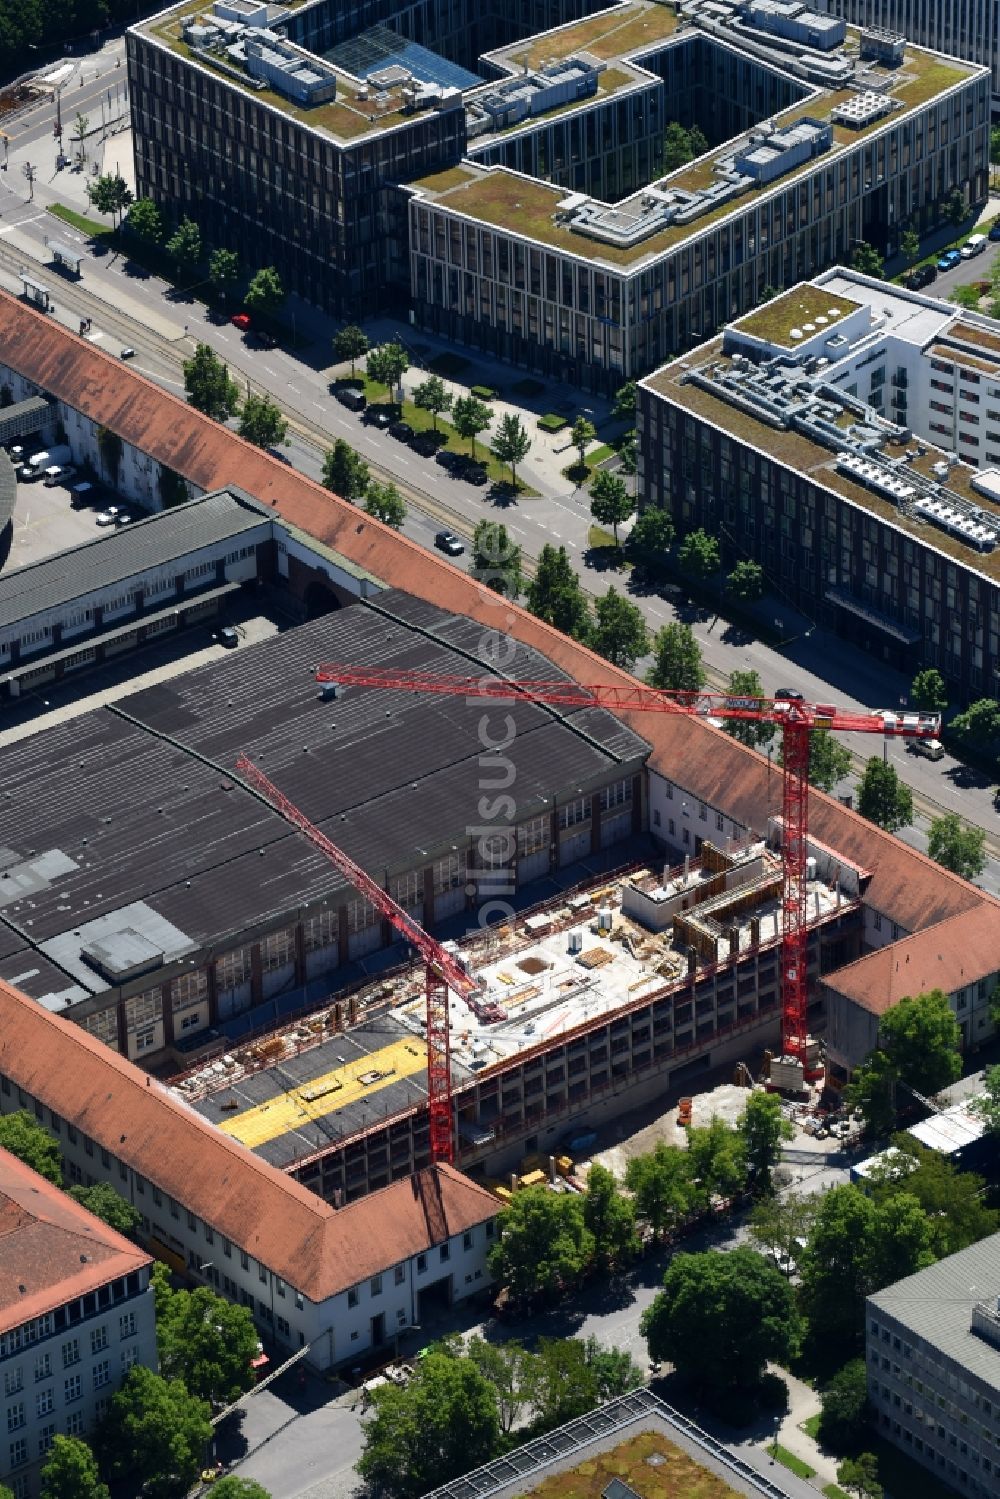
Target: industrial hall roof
x: 318, y: 1249
x: 123, y: 552
x: 52, y: 1250
x: 190, y: 858
x: 710, y: 764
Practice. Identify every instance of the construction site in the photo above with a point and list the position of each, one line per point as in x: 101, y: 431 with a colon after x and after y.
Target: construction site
x: 621, y: 991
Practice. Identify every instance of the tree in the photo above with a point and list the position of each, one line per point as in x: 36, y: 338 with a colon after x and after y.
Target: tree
x: 145, y: 221
x: 763, y: 1128
x: 496, y: 559
x: 661, y: 1186
x: 582, y: 433
x: 928, y: 691
x: 24, y: 1137
x: 554, y: 594
x: 953, y: 1200
x: 872, y: 1091
x: 923, y: 1040
x: 902, y: 1241
x: 782, y: 1224
x: 80, y: 127
x: 224, y: 270
x: 746, y: 581
x: 431, y: 395
x: 610, y: 1217
x: 651, y: 536
x: 208, y: 386
x: 438, y: 1426
x: 861, y: 1475
x: 987, y: 1105
x: 543, y: 1244
x: 844, y: 1408
x: 698, y: 555
x: 387, y: 364
x: 676, y: 147
x: 70, y: 1472
x: 350, y: 343
x: 623, y: 409
x: 829, y: 760
x: 957, y: 846
x: 978, y: 727
x: 110, y: 447
x: 614, y: 1370
x: 866, y: 259
x: 108, y: 1205
x: 385, y: 502
x: 511, y: 444
x: 883, y: 798
x: 207, y: 1343
x: 233, y: 1487
x: 717, y: 1160
x: 628, y: 454
x: 677, y: 663
x: 565, y: 1382
x: 995, y: 144
x: 720, y: 1318
x: 955, y: 208
x: 909, y: 245
x: 511, y: 1372
x: 345, y: 471
x: 610, y: 502
x: 110, y: 193
x: 265, y: 294
x: 154, y: 1434
x: 469, y: 417
x: 185, y: 247
x: 262, y: 423
x: 698, y: 141
x: 619, y: 633
x: 744, y: 686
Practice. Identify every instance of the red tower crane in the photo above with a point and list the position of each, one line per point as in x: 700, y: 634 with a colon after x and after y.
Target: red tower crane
x: 795, y: 718
x: 442, y: 972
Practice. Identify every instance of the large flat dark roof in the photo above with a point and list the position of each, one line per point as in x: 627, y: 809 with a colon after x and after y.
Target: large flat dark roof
x: 128, y: 818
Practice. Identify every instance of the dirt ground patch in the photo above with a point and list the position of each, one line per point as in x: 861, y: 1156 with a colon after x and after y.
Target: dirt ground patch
x: 640, y: 1138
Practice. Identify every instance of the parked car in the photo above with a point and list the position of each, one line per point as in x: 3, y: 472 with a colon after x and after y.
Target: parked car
x: 447, y: 541
x: 922, y: 276
x: 229, y: 637
x: 788, y: 694
x: 377, y: 416
x: 931, y: 749
x: 425, y: 444
x: 126, y: 354
x: 57, y: 475
x: 974, y: 245
x: 241, y: 320
x: 949, y: 260
x: 401, y: 430
x: 107, y: 517
x: 351, y: 397
x: 476, y: 474
x: 994, y: 233
x: 29, y: 474
x: 266, y: 340
x: 124, y: 518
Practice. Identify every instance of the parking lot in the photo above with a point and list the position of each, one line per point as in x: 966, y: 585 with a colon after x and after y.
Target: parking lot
x: 48, y: 520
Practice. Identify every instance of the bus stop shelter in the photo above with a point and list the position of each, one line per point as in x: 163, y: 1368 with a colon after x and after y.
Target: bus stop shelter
x: 34, y: 291
x: 64, y: 256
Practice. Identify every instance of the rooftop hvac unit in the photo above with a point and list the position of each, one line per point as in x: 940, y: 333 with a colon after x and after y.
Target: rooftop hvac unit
x: 576, y: 942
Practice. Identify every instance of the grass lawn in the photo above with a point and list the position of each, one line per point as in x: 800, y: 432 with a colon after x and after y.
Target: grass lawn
x: 598, y: 537
x: 422, y: 421
x: 650, y: 1464
x: 552, y: 422
x: 811, y: 1426
x: 93, y: 227
x: 790, y: 1461
x: 834, y: 1491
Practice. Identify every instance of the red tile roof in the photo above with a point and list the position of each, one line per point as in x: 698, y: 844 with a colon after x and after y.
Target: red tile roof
x: 52, y: 1250
x: 317, y: 1249
x: 948, y: 955
x: 906, y: 886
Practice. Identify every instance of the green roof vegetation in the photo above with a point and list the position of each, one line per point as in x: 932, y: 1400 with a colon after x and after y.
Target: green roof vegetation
x: 612, y: 33
x: 776, y: 319
x: 674, y: 1476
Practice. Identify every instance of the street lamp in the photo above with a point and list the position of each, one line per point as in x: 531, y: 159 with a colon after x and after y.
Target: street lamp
x: 774, y: 1444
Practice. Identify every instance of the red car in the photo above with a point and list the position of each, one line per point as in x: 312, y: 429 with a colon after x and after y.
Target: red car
x: 241, y: 320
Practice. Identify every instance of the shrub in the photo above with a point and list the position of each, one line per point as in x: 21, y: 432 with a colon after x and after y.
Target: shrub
x: 552, y: 422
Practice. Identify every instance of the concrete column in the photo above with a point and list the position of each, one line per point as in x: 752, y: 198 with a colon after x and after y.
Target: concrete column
x: 554, y: 838
x: 595, y: 822
x: 122, y: 1029
x: 256, y: 975
x: 213, y: 992
x: 429, y: 896
x: 300, y: 953
x: 167, y: 1014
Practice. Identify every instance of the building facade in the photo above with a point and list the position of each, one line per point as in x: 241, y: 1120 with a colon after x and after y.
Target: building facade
x: 81, y: 1317
x: 825, y: 454
x: 933, y: 1352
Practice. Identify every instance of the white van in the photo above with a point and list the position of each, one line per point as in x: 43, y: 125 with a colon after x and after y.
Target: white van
x: 974, y: 245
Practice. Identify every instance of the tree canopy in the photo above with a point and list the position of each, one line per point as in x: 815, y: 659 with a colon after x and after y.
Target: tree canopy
x: 265, y: 294
x: 185, y: 247
x: 662, y: 1188
x: 262, y: 423
x: 469, y: 417
x: 433, y: 395
x: 511, y: 443
x: 70, y: 1472
x: 844, y: 1408
x: 496, y: 559
x: 555, y: 595
x: 385, y: 502
x: 110, y: 193
x: 145, y: 221
x: 763, y: 1127
x: 883, y: 798
x: 442, y: 1423
x: 651, y: 537
x: 746, y: 581
x: 957, y: 845
x: 619, y: 631
x: 223, y: 269
x: 345, y: 471
x: 110, y: 1206
x: 24, y: 1137
x: 610, y: 1219
x: 154, y: 1433
x: 543, y: 1243
x: 677, y: 665
x: 953, y: 1200
x: 350, y: 343
x: 720, y: 1318
x: 208, y: 385
x: 610, y: 502
x: 231, y: 1486
x: 748, y: 685
x: 698, y: 555
x: 929, y: 692
x: 582, y: 434
x: 387, y: 364
x: 923, y: 1040
x: 207, y: 1342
